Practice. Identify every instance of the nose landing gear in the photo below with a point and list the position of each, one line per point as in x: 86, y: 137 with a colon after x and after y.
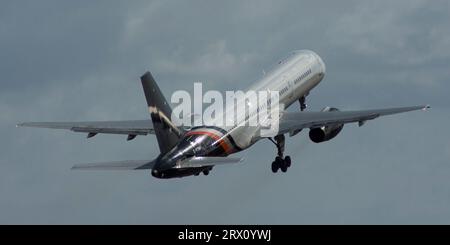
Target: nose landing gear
x: 281, y: 162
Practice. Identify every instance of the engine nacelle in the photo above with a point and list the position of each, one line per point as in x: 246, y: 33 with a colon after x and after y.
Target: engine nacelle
x: 325, y: 133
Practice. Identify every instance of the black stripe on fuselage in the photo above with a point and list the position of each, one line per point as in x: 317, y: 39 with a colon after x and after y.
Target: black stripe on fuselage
x: 223, y: 131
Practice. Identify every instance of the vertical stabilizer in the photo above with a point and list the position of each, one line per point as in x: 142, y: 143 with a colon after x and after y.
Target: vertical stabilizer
x: 166, y: 132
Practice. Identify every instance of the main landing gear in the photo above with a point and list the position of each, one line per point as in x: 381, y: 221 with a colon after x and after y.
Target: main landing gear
x: 302, y: 102
x: 205, y: 171
x: 280, y: 162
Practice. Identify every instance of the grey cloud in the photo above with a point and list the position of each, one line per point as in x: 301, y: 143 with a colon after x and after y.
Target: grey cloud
x: 412, y: 33
x: 81, y: 60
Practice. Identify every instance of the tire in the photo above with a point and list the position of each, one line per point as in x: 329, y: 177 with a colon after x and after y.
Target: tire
x: 206, y: 172
x: 288, y: 161
x: 275, y: 167
x: 279, y: 161
x: 284, y: 168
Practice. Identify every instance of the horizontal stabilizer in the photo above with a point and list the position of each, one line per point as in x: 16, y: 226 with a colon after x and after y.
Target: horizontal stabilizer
x: 121, y: 165
x: 198, y: 162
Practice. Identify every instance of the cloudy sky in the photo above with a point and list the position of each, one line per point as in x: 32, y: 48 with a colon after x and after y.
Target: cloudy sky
x: 81, y: 60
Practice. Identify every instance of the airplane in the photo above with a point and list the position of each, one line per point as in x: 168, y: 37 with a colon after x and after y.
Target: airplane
x: 190, y: 151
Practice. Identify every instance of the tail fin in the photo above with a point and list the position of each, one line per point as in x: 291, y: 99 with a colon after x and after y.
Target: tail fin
x: 166, y: 132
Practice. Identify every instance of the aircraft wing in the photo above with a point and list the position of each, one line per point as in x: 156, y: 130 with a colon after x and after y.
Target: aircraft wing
x: 120, y: 165
x: 198, y: 162
x: 294, y: 121
x: 136, y: 127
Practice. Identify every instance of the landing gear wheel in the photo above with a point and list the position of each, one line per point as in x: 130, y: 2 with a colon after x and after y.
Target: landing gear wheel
x: 280, y: 162
x: 288, y: 161
x: 274, y: 167
x: 206, y: 172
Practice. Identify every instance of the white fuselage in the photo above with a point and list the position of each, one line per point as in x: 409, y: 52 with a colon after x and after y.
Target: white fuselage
x: 293, y: 77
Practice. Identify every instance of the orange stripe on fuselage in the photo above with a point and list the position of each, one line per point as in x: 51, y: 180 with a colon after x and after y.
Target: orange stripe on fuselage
x: 213, y: 136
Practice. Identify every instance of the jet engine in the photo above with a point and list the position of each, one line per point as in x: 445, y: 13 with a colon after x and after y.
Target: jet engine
x: 325, y: 133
